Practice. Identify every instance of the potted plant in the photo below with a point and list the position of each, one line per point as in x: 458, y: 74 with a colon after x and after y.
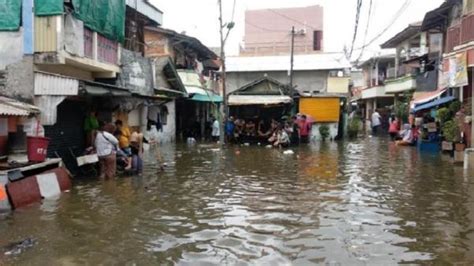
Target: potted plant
x: 353, y: 127
x: 451, y: 131
x: 324, y: 132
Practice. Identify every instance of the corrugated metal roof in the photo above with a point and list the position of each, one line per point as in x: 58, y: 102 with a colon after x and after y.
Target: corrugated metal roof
x: 51, y: 84
x: 323, y: 61
x: 258, y: 100
x: 148, y: 9
x: 11, y: 107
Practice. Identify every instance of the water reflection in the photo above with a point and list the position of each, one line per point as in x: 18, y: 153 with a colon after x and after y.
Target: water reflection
x: 366, y: 202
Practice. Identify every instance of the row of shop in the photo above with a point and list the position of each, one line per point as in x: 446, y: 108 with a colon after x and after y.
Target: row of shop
x: 428, y: 78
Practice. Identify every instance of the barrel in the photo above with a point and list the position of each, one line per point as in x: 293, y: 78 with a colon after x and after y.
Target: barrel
x: 37, y: 148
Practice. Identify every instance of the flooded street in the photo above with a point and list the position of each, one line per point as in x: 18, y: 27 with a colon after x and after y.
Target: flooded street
x: 359, y: 203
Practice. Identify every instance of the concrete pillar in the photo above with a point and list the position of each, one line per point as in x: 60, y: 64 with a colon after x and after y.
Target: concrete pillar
x: 423, y: 42
x: 397, y: 61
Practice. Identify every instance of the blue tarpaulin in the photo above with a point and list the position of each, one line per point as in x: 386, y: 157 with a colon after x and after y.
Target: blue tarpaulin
x: 432, y: 104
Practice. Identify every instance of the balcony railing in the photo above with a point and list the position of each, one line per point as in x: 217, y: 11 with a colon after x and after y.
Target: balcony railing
x: 453, y: 38
x: 107, y: 50
x: 402, y: 71
x: 461, y: 33
x: 467, y: 29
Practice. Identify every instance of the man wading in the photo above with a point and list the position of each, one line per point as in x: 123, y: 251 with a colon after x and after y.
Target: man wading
x: 106, y: 146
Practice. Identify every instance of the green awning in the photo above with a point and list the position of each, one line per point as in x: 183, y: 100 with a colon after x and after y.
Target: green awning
x: 211, y: 97
x: 10, y: 13
x: 49, y: 7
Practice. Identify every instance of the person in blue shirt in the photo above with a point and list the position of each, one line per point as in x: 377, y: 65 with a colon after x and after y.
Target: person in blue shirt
x: 229, y: 129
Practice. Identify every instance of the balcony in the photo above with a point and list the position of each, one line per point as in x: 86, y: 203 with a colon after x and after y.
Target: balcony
x: 460, y: 34
x: 401, y: 84
x: 374, y: 92
x: 57, y: 50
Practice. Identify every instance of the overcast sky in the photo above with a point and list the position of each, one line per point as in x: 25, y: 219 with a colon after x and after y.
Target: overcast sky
x: 198, y: 18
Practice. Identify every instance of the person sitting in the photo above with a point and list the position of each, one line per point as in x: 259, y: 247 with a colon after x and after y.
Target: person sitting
x: 123, y: 159
x: 264, y: 131
x: 406, y: 136
x: 250, y: 129
x: 239, y: 129
x: 282, y: 138
x: 124, y: 140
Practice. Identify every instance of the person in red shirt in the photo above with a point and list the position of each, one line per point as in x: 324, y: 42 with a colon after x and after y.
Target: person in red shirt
x: 305, y: 130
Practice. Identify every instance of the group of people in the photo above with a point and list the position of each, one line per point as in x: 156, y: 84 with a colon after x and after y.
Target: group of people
x: 276, y: 133
x: 115, y: 145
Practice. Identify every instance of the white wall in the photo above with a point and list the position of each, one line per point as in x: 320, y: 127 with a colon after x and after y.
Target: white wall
x: 168, y: 134
x: 11, y: 47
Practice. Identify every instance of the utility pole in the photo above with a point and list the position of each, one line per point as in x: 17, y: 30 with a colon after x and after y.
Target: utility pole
x: 223, y: 108
x: 292, y: 57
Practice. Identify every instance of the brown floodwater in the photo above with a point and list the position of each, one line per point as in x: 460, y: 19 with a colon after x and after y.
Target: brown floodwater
x: 354, y: 203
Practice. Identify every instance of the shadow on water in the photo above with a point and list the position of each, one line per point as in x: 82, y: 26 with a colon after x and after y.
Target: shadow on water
x: 354, y: 203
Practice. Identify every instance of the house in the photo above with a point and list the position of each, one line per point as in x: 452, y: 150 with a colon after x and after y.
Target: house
x: 265, y: 98
x: 316, y: 78
x: 458, y: 53
x: 71, y: 63
x: 197, y: 72
x: 268, y: 31
x: 372, y: 93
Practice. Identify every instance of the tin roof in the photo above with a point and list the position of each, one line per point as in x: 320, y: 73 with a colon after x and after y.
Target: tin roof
x: 11, y: 107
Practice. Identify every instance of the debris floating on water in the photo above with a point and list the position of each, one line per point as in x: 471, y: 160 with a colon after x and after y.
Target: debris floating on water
x: 19, y: 247
x: 288, y: 152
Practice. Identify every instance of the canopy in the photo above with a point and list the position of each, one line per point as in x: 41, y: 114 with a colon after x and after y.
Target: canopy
x: 432, y: 104
x: 11, y: 107
x: 202, y: 95
x: 259, y: 99
x: 99, y: 89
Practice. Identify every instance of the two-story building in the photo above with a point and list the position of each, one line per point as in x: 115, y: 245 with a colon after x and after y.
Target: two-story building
x: 372, y: 94
x: 70, y: 62
x: 195, y: 70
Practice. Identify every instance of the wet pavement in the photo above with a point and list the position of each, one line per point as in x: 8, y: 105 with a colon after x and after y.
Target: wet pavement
x: 361, y: 203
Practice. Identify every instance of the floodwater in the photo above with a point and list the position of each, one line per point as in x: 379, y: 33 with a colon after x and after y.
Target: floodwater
x: 361, y: 203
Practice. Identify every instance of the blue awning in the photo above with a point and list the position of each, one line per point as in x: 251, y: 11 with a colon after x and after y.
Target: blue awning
x: 208, y: 97
x: 434, y: 103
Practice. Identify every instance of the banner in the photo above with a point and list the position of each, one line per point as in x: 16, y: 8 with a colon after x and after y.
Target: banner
x: 10, y: 13
x: 457, y: 74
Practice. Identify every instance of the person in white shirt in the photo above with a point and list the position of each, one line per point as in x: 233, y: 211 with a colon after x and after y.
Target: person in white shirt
x: 215, y: 130
x: 376, y: 122
x: 106, y: 145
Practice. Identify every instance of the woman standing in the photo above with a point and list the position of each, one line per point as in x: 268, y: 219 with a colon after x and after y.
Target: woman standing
x: 106, y: 146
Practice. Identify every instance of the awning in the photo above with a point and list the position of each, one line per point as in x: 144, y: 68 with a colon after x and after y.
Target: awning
x: 101, y: 89
x: 424, y: 97
x: 434, y: 103
x: 259, y: 99
x: 202, y: 95
x: 11, y: 107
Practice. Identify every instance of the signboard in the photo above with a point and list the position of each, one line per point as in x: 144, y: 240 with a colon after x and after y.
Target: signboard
x: 457, y: 73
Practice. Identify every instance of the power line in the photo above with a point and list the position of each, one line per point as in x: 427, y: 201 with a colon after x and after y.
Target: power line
x: 395, y: 17
x: 356, y: 27
x: 366, y: 29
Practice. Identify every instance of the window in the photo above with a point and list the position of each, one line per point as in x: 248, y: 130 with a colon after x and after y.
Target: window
x: 317, y: 40
x: 164, y: 115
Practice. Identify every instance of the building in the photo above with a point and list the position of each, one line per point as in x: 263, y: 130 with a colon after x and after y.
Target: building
x: 196, y: 68
x: 268, y: 31
x: 320, y: 81
x: 372, y: 93
x: 70, y: 63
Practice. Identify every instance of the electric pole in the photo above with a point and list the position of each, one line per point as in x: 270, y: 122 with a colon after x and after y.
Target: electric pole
x: 223, y: 108
x: 292, y: 57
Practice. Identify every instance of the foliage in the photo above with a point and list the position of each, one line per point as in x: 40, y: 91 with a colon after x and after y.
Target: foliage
x: 324, y: 131
x: 468, y: 106
x: 401, y: 110
x: 443, y: 115
x: 454, y: 107
x: 451, y: 131
x: 353, y: 127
